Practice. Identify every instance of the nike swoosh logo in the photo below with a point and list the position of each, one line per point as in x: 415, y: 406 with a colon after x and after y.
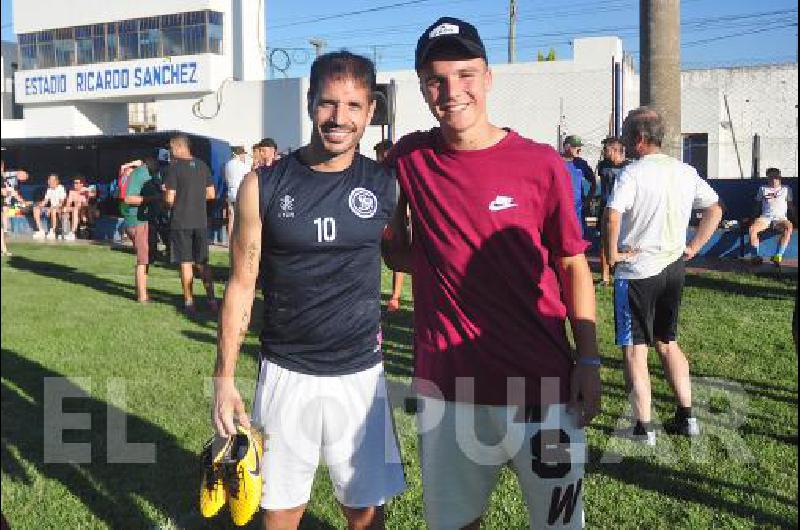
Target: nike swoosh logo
x: 497, y: 206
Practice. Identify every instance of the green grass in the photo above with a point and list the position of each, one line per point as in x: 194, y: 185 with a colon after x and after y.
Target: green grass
x: 67, y: 311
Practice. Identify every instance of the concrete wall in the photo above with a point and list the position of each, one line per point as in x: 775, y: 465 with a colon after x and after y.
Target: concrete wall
x: 762, y: 100
x: 248, y: 112
x: 78, y: 119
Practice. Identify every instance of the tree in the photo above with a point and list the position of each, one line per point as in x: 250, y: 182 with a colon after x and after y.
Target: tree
x: 539, y: 56
x: 551, y: 55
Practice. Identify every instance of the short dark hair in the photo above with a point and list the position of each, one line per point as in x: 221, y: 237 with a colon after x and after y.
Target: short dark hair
x: 339, y: 65
x: 645, y: 123
x: 773, y: 172
x: 267, y: 142
x: 612, y: 140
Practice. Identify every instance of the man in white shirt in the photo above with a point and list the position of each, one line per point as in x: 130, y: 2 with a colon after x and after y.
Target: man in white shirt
x: 775, y: 200
x: 51, y: 206
x: 646, y: 220
x: 235, y: 170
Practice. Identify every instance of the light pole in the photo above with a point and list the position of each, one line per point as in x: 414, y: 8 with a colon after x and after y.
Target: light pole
x: 319, y: 45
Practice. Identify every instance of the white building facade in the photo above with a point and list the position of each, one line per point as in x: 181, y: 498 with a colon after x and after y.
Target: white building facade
x: 200, y: 66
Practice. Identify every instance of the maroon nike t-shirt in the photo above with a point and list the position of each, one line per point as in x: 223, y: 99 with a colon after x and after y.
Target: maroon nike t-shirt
x: 488, y: 226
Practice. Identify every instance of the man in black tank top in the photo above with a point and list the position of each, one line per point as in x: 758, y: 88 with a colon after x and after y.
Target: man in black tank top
x: 313, y: 221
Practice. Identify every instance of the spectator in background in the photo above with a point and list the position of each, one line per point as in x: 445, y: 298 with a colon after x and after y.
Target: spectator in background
x: 158, y: 225
x: 12, y: 198
x: 141, y: 194
x: 188, y: 187
x: 776, y: 204
x: 76, y: 208
x: 235, y: 170
x: 381, y: 148
x: 52, y: 206
x: 608, y: 169
x: 255, y: 161
x: 267, y: 150
x: 579, y: 170
x: 647, y: 217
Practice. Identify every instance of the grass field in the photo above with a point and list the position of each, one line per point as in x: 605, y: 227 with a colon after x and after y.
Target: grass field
x: 67, y: 311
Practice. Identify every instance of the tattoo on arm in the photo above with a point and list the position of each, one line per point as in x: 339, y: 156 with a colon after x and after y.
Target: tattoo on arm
x: 245, y: 325
x: 252, y: 257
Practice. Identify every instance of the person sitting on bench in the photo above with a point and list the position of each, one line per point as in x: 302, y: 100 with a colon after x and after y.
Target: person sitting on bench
x: 776, y: 202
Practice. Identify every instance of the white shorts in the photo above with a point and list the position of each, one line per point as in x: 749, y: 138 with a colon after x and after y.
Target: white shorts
x: 345, y: 419
x: 771, y: 220
x: 464, y: 446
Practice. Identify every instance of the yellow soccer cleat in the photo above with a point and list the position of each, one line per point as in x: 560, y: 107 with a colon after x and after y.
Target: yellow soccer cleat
x: 243, y: 475
x: 776, y: 260
x: 212, y: 488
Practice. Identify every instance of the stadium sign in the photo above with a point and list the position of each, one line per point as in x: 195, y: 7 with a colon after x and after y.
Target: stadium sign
x: 148, y: 77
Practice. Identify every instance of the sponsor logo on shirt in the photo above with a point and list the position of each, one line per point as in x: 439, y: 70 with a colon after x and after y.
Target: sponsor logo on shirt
x: 502, y: 202
x: 363, y: 203
x: 286, y: 203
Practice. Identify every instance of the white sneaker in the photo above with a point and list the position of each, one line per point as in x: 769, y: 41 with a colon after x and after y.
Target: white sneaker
x: 39, y: 234
x: 51, y: 234
x: 69, y: 236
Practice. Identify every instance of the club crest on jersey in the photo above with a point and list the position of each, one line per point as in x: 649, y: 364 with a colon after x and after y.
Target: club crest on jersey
x: 286, y: 204
x: 363, y: 203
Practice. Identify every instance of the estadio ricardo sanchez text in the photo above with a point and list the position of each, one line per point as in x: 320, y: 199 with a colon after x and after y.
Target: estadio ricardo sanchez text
x: 110, y: 79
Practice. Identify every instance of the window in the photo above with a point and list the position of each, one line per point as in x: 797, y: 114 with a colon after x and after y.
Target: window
x: 112, y: 42
x: 695, y: 152
x: 172, y: 34
x: 84, y: 51
x: 149, y: 38
x: 99, y: 42
x: 64, y: 45
x: 189, y: 33
x: 128, y: 40
x: 194, y: 32
x: 214, y: 32
x: 45, y: 53
x: 194, y: 40
x: 27, y: 51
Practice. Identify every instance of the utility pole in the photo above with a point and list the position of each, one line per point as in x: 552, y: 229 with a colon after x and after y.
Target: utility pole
x: 512, y: 31
x: 660, y: 66
x: 319, y: 45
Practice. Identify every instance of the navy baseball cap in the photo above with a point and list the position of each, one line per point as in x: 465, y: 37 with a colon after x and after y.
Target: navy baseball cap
x: 453, y: 32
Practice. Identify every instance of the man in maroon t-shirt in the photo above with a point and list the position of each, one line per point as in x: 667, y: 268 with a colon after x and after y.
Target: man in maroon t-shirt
x: 497, y: 257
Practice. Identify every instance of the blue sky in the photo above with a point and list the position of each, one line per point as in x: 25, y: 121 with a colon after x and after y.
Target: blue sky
x: 714, y: 32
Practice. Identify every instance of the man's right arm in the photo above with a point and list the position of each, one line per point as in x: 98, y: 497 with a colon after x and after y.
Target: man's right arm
x: 236, y: 307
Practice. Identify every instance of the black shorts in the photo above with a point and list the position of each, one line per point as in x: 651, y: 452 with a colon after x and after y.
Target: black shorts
x: 189, y: 245
x: 646, y: 310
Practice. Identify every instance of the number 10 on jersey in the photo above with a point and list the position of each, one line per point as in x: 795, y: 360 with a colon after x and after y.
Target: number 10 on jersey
x: 326, y: 229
